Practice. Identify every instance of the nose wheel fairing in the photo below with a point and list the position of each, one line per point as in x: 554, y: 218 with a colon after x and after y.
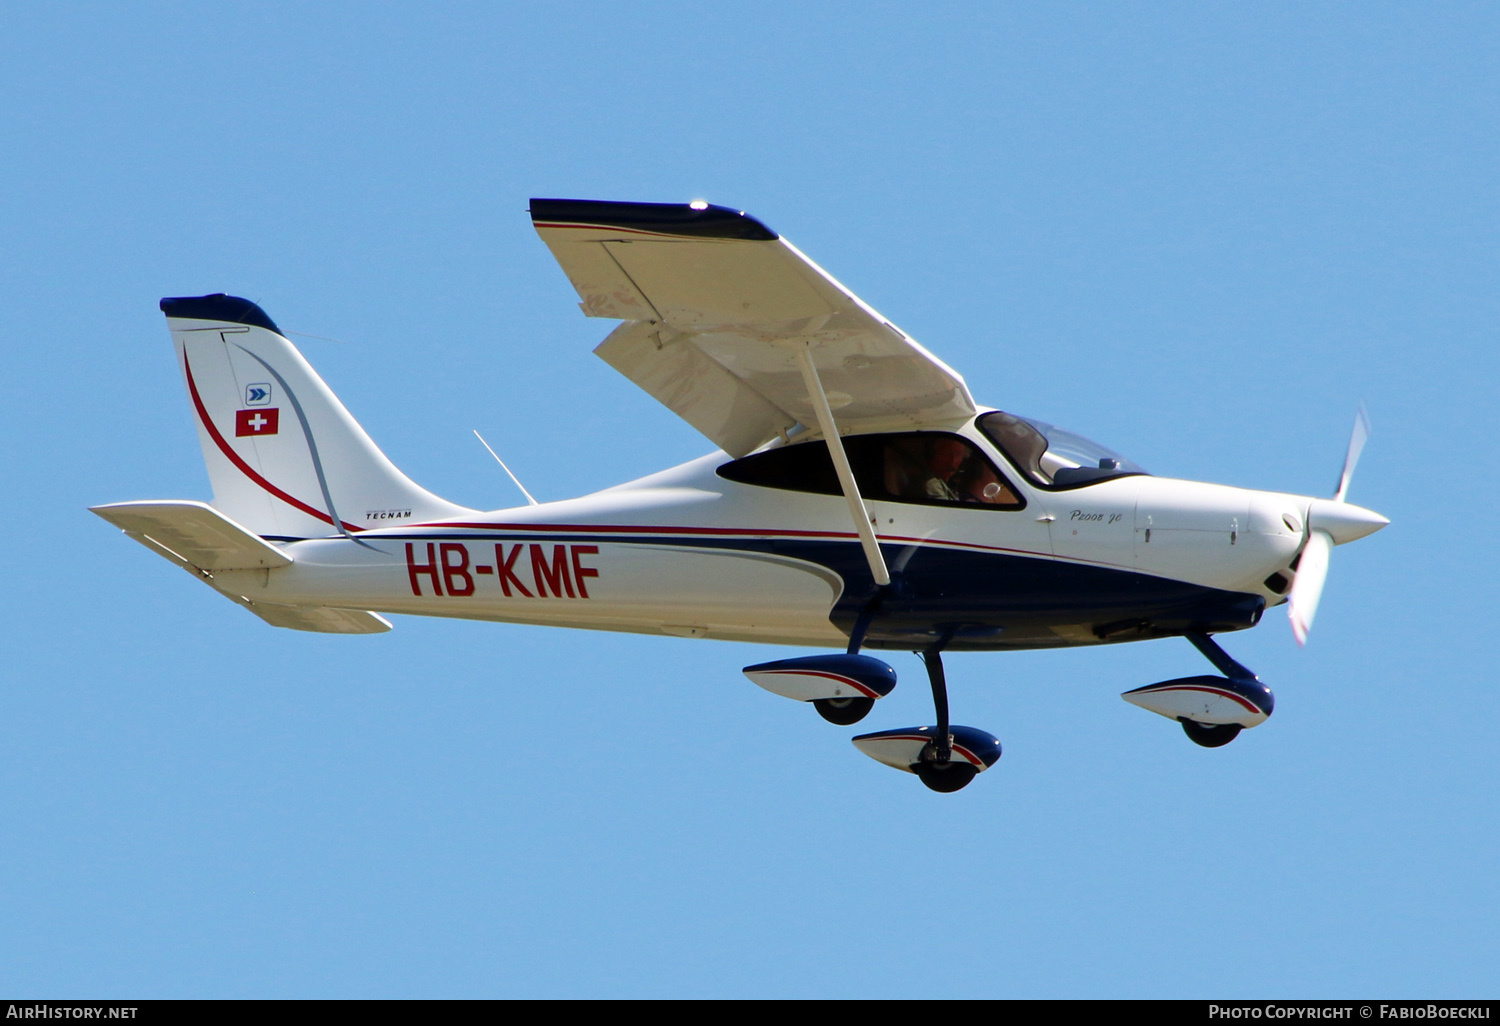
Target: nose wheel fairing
x: 1207, y: 700
x: 1212, y: 710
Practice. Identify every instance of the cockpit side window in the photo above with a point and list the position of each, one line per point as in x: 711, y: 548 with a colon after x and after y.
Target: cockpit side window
x: 804, y: 467
x: 929, y: 468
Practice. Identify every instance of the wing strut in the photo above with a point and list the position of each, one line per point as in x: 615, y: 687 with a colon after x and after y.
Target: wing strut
x: 857, y: 508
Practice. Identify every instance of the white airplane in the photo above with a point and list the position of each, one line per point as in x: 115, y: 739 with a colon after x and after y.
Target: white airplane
x: 860, y: 499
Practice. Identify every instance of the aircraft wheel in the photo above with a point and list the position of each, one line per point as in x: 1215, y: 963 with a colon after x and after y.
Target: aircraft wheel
x: 946, y: 777
x: 843, y: 711
x: 1211, y: 736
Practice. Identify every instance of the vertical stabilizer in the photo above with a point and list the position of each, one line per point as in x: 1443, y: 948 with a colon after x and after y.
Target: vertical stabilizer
x: 285, y: 458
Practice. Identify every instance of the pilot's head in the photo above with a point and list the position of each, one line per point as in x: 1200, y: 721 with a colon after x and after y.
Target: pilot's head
x: 948, y: 454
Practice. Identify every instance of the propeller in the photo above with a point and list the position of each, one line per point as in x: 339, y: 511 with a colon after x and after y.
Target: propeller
x: 1357, y: 439
x: 1307, y: 589
x: 1330, y: 522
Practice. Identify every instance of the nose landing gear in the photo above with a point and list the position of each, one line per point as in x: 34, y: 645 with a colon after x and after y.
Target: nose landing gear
x: 1209, y: 735
x: 1212, y: 710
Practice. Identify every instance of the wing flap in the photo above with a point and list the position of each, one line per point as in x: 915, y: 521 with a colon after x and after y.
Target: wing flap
x: 685, y: 380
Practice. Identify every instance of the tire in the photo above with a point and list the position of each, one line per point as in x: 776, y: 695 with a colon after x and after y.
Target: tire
x: 1211, y: 736
x: 843, y: 711
x: 946, y: 777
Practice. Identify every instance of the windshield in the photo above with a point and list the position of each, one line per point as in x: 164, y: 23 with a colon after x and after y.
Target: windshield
x: 1050, y: 456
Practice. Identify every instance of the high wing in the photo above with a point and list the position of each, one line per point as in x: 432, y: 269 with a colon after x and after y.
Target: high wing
x: 716, y: 305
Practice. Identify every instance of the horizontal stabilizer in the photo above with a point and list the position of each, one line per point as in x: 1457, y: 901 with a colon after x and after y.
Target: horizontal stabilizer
x: 195, y: 531
x: 203, y: 541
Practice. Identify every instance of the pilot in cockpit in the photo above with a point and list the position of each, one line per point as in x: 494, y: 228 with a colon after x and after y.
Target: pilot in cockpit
x: 948, y: 467
x: 942, y: 469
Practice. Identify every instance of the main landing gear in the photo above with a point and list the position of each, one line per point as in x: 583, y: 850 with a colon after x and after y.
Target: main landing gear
x: 844, y: 688
x: 844, y: 712
x: 944, y: 757
x: 1212, y: 710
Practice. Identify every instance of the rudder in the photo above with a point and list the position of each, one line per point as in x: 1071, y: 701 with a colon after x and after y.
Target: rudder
x: 284, y: 456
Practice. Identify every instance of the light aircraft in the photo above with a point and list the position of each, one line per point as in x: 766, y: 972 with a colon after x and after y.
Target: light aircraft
x: 860, y: 500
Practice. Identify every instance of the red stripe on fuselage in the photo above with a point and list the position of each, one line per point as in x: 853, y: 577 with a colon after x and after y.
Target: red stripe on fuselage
x: 749, y: 532
x: 234, y: 457
x: 719, y: 532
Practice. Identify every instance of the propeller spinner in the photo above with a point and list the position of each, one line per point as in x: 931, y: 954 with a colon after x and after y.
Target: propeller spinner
x: 1330, y: 522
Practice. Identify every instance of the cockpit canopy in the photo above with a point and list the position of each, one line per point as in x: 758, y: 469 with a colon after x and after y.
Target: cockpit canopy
x: 929, y: 468
x: 1050, y: 456
x: 938, y: 468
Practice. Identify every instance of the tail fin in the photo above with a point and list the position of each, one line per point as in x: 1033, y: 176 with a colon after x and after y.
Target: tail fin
x: 285, y: 458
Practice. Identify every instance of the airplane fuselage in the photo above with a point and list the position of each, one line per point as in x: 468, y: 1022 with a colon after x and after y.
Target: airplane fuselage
x: 688, y: 552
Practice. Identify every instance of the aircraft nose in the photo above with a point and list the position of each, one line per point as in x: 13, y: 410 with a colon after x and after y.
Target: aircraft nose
x: 1343, y: 521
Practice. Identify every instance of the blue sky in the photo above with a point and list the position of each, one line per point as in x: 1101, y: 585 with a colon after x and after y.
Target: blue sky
x: 1199, y: 233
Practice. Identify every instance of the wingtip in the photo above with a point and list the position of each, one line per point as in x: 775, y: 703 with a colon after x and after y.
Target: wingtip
x: 698, y: 219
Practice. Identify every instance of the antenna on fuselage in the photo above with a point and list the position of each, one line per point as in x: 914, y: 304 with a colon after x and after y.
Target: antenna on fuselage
x: 503, y: 467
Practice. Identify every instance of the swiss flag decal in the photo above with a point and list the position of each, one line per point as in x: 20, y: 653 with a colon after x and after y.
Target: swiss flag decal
x: 256, y: 422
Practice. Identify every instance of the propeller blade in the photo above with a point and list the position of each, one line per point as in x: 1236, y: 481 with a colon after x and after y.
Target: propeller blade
x: 1307, y: 589
x: 1357, y: 439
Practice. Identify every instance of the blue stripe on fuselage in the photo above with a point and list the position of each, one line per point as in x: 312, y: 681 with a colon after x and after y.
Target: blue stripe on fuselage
x: 985, y: 599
